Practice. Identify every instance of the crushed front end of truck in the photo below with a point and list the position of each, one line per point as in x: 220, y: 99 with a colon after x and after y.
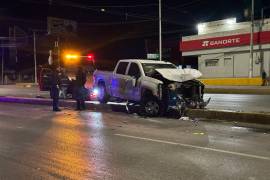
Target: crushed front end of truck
x: 188, y: 94
x: 181, y: 89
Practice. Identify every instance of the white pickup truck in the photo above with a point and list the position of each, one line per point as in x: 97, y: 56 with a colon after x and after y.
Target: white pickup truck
x: 157, y: 86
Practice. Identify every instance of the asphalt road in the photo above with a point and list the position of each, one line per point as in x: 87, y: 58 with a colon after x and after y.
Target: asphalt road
x: 36, y: 143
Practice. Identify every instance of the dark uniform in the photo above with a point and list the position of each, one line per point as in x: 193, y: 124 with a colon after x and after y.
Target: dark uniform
x: 80, y: 89
x: 264, y: 78
x: 55, y: 83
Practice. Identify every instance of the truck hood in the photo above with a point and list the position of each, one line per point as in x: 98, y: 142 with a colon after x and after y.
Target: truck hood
x: 179, y: 75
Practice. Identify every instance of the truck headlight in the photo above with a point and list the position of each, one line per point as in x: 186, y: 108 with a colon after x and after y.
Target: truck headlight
x: 172, y: 87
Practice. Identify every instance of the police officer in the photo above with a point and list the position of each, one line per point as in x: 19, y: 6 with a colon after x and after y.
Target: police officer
x: 55, y: 84
x: 264, y: 75
x: 80, y: 89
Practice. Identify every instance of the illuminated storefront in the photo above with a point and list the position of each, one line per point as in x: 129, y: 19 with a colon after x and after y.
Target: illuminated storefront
x: 223, y: 48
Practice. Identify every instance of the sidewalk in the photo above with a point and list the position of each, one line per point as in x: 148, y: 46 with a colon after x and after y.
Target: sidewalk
x: 22, y: 91
x: 259, y: 90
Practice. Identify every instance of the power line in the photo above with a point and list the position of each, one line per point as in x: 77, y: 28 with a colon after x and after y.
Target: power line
x: 125, y: 6
x: 189, y: 3
x: 144, y: 18
x: 116, y: 23
x: 70, y: 4
x: 51, y: 2
x: 133, y: 15
x: 181, y: 11
x: 142, y: 35
x: 117, y: 13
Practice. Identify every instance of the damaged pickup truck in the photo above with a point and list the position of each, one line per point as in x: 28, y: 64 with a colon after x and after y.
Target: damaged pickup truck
x: 157, y: 86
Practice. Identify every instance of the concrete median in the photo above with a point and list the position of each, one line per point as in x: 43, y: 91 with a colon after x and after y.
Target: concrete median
x: 259, y: 118
x: 257, y: 90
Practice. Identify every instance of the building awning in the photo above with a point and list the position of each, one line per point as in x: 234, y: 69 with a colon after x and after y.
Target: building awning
x: 224, y: 42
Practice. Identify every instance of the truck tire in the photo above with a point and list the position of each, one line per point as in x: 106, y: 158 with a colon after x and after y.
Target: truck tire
x: 103, y: 97
x: 152, y: 107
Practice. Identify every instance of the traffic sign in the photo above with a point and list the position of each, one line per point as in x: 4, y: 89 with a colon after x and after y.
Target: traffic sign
x: 152, y: 56
x: 59, y: 25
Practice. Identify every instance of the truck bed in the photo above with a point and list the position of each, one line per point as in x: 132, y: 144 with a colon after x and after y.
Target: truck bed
x: 102, y: 75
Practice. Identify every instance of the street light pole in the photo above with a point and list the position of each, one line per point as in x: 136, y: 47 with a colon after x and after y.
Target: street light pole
x: 250, y: 74
x: 35, y: 55
x: 56, y: 45
x: 2, y: 67
x: 262, y: 24
x: 160, y: 32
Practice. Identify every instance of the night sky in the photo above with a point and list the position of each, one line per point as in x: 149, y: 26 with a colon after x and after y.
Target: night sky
x: 116, y: 29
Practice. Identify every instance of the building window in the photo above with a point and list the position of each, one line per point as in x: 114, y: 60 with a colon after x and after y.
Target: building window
x: 227, y: 61
x: 211, y: 62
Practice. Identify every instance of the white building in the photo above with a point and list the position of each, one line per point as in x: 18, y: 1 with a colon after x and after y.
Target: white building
x: 223, y: 48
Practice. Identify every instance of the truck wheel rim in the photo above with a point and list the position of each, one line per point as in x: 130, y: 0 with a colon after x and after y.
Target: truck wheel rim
x: 152, y: 108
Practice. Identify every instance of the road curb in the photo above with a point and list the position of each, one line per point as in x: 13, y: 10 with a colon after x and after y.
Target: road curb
x: 247, y: 117
x: 259, y: 118
x: 48, y: 102
x: 237, y: 91
x: 26, y: 85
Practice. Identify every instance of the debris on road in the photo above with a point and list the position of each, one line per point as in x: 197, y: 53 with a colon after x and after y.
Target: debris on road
x: 198, y: 133
x: 184, y: 118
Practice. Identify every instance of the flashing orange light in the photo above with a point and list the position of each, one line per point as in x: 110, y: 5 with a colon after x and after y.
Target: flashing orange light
x: 72, y: 56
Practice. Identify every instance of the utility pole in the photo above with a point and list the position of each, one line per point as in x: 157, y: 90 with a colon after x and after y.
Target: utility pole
x: 160, y: 32
x: 2, y: 67
x: 35, y: 55
x: 262, y: 24
x: 35, y: 31
x: 15, y: 40
x: 57, y: 48
x: 260, y: 45
x: 250, y: 74
x: 58, y: 51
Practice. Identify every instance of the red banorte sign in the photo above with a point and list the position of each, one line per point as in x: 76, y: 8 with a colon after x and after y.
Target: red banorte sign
x: 225, y: 41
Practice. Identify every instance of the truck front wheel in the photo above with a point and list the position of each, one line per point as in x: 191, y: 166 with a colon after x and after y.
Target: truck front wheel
x: 102, y: 94
x: 151, y: 106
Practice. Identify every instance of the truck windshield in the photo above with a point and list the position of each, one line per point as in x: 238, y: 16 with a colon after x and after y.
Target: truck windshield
x: 150, y: 68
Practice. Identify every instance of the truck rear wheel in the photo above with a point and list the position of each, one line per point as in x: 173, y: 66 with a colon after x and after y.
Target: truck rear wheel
x: 152, y: 107
x: 102, y: 94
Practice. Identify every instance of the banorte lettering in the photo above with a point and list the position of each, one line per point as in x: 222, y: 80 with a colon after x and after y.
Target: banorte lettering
x: 205, y: 43
x: 220, y: 42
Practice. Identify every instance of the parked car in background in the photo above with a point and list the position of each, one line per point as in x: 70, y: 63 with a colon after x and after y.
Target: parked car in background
x: 66, y: 84
x: 45, y: 76
x: 44, y: 79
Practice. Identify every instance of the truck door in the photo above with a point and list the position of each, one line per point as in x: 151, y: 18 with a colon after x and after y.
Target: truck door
x: 132, y: 84
x: 119, y: 80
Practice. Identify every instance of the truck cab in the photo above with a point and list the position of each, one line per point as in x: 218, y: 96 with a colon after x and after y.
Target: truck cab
x: 130, y: 76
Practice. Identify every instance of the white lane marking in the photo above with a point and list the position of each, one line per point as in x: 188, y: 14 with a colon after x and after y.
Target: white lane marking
x: 195, y: 147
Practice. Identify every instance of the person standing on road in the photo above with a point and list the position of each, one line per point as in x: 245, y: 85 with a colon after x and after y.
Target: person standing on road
x: 264, y: 78
x: 80, y: 90
x: 54, y: 92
